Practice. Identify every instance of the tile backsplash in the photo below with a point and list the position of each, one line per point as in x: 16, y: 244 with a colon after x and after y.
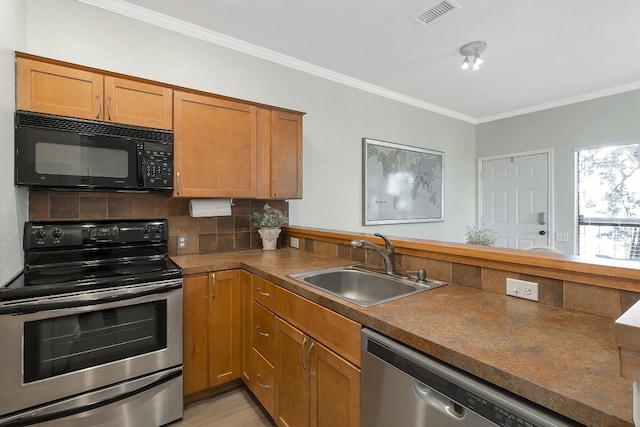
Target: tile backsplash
x: 204, y: 234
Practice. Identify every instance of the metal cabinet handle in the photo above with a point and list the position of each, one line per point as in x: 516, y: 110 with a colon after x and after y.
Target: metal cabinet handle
x: 267, y: 386
x: 275, y: 186
x: 178, y: 182
x: 109, y: 107
x: 213, y: 286
x: 264, y: 334
x: 264, y: 294
x: 99, y: 106
x: 304, y: 342
x: 309, y: 358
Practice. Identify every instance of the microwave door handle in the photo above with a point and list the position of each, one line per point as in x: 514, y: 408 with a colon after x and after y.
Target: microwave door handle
x: 36, y: 307
x: 141, y: 171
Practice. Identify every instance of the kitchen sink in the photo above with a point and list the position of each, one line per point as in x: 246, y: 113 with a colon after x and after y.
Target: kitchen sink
x: 364, y: 286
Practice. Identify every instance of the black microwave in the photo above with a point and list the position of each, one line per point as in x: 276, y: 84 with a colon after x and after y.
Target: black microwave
x: 57, y: 152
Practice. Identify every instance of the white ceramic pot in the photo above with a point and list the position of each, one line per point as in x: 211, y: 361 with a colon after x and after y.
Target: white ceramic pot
x: 269, y: 238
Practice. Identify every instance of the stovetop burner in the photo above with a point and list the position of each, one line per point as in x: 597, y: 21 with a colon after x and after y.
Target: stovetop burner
x: 62, y: 257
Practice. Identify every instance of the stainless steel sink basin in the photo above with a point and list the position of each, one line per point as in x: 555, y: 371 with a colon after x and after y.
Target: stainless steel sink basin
x: 362, y: 286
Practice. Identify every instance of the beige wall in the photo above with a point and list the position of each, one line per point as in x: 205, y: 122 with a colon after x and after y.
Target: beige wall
x: 337, y: 116
x: 13, y: 202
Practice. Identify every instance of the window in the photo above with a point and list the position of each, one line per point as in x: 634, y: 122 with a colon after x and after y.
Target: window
x: 608, y: 181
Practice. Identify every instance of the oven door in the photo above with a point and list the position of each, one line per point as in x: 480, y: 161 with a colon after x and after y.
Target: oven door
x: 54, y: 158
x: 65, y: 345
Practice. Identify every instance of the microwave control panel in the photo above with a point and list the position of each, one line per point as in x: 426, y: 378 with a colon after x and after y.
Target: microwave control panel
x: 157, y: 164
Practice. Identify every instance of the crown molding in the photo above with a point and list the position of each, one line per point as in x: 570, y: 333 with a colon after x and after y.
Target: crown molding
x: 121, y: 7
x: 563, y: 102
x: 158, y: 19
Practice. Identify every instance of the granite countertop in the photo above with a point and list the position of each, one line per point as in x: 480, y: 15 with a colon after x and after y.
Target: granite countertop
x: 563, y: 360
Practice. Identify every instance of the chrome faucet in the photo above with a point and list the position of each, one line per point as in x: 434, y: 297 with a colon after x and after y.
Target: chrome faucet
x: 388, y: 254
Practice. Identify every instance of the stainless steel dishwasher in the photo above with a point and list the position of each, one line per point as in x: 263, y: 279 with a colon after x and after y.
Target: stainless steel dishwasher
x: 402, y: 387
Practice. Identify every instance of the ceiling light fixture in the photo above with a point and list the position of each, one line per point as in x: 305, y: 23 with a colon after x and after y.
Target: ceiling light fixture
x: 472, y: 49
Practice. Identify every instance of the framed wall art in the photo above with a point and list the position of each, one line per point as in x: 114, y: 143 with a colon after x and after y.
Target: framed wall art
x: 401, y: 184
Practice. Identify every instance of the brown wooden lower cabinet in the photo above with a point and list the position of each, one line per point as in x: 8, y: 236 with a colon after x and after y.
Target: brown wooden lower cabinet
x: 195, y: 333
x: 293, y: 391
x: 246, y: 368
x: 234, y: 327
x: 212, y: 334
x: 315, y: 386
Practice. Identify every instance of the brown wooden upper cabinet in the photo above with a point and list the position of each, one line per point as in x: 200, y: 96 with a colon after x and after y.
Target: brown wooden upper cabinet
x: 215, y: 147
x: 60, y: 89
x: 279, y: 154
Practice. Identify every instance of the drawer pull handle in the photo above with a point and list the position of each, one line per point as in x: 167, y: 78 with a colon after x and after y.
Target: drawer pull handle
x: 264, y: 294
x: 264, y: 334
x: 267, y: 386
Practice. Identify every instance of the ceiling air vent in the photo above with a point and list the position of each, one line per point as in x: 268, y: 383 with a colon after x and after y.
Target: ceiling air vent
x: 436, y: 11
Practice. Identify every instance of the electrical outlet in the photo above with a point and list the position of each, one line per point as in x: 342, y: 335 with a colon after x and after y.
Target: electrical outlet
x: 182, y: 241
x: 522, y: 289
x: 295, y: 243
x: 562, y: 237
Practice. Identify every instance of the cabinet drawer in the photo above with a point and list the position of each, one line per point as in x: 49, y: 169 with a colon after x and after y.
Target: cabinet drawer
x: 340, y: 334
x: 264, y: 327
x: 263, y: 292
x: 263, y: 382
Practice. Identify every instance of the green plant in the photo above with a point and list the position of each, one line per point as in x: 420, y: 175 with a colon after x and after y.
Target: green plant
x: 269, y: 218
x: 481, y: 235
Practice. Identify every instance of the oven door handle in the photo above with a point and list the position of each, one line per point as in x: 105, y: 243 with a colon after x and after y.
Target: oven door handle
x: 35, y: 307
x: 41, y: 416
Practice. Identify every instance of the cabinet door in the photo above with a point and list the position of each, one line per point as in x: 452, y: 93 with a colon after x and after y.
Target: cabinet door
x: 335, y: 390
x: 195, y: 336
x: 246, y: 281
x: 286, y: 155
x: 136, y: 103
x: 215, y: 147
x: 55, y: 89
x: 292, y: 385
x: 279, y: 154
x: 225, y: 334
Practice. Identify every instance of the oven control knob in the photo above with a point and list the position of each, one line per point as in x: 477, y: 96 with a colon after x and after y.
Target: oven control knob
x: 39, y: 234
x: 57, y: 234
x: 157, y: 230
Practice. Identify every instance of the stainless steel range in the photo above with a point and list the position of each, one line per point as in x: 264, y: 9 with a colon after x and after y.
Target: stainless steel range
x: 92, y: 328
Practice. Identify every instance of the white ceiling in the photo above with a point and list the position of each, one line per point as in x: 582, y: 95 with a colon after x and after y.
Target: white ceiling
x: 540, y: 54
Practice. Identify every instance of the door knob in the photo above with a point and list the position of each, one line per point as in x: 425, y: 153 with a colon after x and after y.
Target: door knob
x: 542, y: 232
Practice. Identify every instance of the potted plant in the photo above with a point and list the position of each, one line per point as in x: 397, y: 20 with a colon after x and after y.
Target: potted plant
x: 269, y: 222
x: 481, y: 235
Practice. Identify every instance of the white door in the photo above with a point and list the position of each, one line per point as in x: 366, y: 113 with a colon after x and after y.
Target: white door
x: 515, y: 199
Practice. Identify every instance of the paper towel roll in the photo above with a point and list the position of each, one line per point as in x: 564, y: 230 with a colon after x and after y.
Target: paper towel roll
x: 210, y: 207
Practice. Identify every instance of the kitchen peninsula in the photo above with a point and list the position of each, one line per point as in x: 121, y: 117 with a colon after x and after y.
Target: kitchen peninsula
x: 564, y: 360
